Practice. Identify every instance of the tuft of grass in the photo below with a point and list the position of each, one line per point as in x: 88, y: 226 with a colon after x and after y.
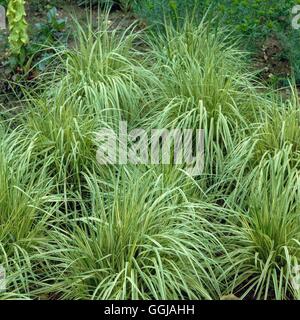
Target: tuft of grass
x: 108, y: 72
x: 265, y: 236
x: 279, y: 128
x: 199, y: 64
x: 26, y: 204
x: 137, y: 241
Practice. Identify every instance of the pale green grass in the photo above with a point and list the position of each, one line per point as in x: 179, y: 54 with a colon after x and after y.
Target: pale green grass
x: 73, y: 229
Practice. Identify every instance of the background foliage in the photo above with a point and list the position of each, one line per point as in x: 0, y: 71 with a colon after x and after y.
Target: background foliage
x: 254, y: 20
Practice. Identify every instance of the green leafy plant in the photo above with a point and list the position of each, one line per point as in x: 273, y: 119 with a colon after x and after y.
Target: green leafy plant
x: 18, y: 37
x: 52, y: 29
x: 46, y: 36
